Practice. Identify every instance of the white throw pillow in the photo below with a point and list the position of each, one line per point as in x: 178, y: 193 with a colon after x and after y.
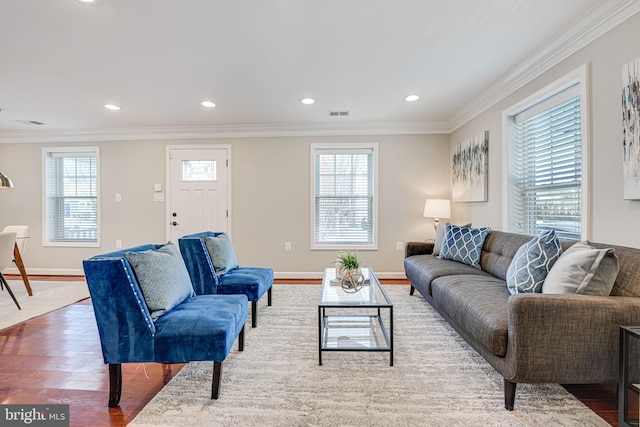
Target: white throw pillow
x: 583, y: 269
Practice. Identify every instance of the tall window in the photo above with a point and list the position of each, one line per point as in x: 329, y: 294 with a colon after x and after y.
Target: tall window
x: 71, y: 201
x: 545, y: 163
x: 344, y: 202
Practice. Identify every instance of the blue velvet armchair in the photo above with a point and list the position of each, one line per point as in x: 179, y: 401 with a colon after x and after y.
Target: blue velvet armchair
x: 253, y: 282
x: 200, y: 328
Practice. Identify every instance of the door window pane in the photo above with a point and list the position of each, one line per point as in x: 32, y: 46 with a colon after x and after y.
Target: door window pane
x: 198, y: 170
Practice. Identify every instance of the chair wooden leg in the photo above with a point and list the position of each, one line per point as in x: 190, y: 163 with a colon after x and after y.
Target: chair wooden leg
x: 217, y: 373
x: 17, y: 259
x: 254, y: 314
x: 509, y: 394
x: 269, y: 296
x: 241, y: 340
x: 6, y: 284
x: 115, y: 384
x: 411, y: 290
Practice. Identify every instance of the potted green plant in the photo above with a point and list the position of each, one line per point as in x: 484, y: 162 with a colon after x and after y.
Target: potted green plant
x: 347, y: 262
x: 348, y: 270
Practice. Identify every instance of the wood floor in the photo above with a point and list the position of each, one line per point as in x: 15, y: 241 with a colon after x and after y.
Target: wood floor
x: 56, y: 358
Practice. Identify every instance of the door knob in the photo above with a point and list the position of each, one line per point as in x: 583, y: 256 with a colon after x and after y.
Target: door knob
x: 174, y: 223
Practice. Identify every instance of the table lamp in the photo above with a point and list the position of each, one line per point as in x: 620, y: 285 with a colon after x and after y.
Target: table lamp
x: 437, y: 209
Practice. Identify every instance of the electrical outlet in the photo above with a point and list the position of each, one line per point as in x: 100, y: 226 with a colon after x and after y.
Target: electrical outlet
x: 398, y: 246
x: 118, y: 197
x: 287, y: 246
x: 118, y: 244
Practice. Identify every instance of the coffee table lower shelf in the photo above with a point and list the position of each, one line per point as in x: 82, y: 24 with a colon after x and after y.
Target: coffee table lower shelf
x: 349, y: 332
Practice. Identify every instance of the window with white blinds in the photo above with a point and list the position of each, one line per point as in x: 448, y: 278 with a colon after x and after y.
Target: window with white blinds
x: 71, y: 196
x: 546, y: 167
x: 344, y: 205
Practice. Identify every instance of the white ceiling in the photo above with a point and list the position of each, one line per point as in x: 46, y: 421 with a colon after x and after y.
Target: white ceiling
x: 62, y: 60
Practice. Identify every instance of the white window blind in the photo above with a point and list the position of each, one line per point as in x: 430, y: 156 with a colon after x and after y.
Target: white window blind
x: 546, y: 167
x: 344, y: 190
x: 71, y: 196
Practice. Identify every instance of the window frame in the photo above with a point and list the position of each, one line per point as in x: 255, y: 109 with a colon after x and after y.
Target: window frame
x: 580, y: 77
x: 72, y: 151
x: 314, y: 149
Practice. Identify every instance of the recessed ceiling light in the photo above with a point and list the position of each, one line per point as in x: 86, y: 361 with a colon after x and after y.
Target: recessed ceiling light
x: 411, y: 98
x: 208, y: 104
x: 87, y: 1
x: 111, y: 107
x: 307, y: 101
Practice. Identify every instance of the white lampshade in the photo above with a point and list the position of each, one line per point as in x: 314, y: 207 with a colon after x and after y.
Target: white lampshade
x: 437, y: 208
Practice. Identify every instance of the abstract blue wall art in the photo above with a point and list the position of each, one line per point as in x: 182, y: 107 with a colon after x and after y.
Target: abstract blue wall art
x: 631, y: 129
x: 470, y: 169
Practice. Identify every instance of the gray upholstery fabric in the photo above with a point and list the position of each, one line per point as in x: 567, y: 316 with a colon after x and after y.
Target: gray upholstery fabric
x: 498, y: 251
x: 562, y: 339
x: 628, y: 281
x: 477, y: 303
x: 418, y: 248
x: 423, y: 269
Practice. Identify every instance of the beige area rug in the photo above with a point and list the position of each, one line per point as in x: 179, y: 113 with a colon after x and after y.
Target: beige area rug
x: 437, y: 380
x: 47, y: 296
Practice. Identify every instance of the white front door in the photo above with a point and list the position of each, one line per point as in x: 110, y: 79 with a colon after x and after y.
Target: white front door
x: 198, y: 183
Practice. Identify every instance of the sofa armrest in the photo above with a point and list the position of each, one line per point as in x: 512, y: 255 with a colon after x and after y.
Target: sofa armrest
x: 567, y: 338
x: 418, y: 248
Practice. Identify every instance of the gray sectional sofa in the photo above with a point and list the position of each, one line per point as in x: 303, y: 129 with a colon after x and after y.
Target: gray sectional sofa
x: 533, y: 337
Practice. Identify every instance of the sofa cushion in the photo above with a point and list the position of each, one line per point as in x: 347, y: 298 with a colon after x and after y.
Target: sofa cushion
x: 201, y: 328
x: 163, y: 277
x: 583, y: 269
x: 498, y: 251
x: 478, y: 305
x: 532, y: 263
x: 463, y: 244
x: 250, y: 281
x: 221, y: 252
x: 421, y: 270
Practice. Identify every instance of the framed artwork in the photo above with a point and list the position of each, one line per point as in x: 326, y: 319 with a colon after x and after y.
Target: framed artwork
x: 470, y: 169
x: 631, y: 129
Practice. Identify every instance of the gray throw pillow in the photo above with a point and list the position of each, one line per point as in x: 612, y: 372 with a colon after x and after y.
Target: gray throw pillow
x: 221, y: 252
x: 583, y: 269
x: 162, y: 276
x: 437, y: 244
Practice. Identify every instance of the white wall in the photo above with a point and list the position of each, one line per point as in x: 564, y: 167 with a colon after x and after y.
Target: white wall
x: 613, y: 220
x: 270, y: 199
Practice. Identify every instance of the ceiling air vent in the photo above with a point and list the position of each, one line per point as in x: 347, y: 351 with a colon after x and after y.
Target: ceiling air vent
x: 338, y: 113
x: 30, y: 122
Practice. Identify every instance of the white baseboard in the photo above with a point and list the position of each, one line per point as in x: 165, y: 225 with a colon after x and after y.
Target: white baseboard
x: 277, y: 274
x: 318, y: 275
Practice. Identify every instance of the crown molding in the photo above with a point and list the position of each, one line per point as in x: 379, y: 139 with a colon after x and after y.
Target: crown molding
x: 588, y: 28
x: 239, y: 131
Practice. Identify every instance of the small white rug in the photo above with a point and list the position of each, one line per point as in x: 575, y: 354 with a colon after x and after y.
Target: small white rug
x: 436, y: 380
x: 47, y: 296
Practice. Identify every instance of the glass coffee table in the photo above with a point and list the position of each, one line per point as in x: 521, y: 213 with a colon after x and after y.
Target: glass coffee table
x: 354, y: 321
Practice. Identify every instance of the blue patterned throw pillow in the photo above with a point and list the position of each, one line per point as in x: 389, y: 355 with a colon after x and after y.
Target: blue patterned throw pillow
x: 463, y: 244
x: 162, y: 276
x: 532, y: 262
